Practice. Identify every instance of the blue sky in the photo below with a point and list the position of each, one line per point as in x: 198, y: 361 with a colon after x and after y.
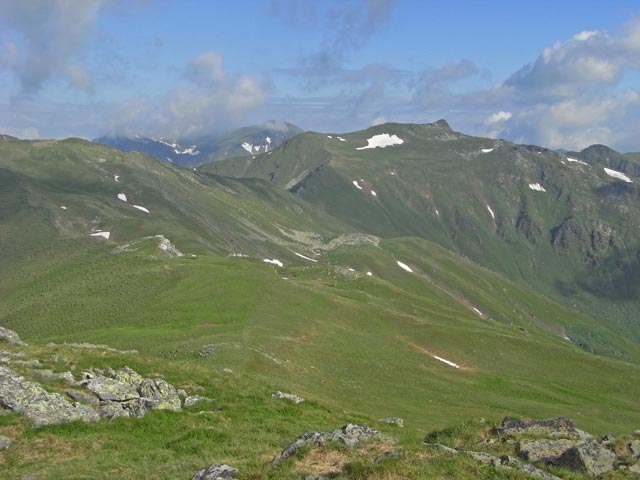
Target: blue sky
x: 557, y: 74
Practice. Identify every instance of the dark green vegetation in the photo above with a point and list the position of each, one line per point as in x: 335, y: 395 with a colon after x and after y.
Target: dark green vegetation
x: 210, y: 148
x: 357, y: 347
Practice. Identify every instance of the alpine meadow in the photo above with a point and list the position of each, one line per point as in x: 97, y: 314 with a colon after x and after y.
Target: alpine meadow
x: 308, y: 240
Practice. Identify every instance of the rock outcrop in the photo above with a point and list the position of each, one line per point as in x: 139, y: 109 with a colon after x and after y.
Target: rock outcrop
x: 41, y: 407
x: 553, y: 428
x: 11, y: 337
x: 348, y: 436
x: 217, y: 471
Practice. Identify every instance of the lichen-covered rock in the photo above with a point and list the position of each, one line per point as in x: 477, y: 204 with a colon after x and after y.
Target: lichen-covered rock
x: 509, y: 463
x: 110, y: 389
x: 128, y: 376
x: 547, y: 451
x: 349, y: 436
x: 393, y: 421
x: 287, y: 396
x: 552, y: 428
x: 50, y: 376
x: 217, y: 471
x: 589, y: 458
x: 112, y: 410
x: 5, y: 442
x: 11, y: 337
x: 163, y: 395
x: 634, y: 448
x: 83, y: 397
x: 41, y: 407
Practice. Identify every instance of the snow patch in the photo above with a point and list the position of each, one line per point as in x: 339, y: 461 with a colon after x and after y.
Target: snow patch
x: 575, y: 160
x: 487, y: 150
x: 341, y: 139
x: 274, y: 261
x: 306, y: 258
x: 369, y: 274
x: 268, y: 140
x: 356, y: 184
x: 618, y: 175
x: 351, y: 269
x: 122, y: 196
x: 374, y: 193
x: 105, y: 235
x: 116, y: 178
x: 382, y: 141
x: 247, y: 146
x: 404, y: 266
x: 537, y: 187
x: 329, y: 136
x: 437, y: 212
x: 141, y: 208
x: 493, y: 215
x: 192, y: 150
x: 451, y: 364
x: 477, y: 311
x: 63, y: 207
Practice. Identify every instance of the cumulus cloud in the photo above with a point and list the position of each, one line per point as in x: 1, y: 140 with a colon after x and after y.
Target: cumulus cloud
x: 588, y: 60
x: 43, y: 39
x: 500, y: 116
x: 211, y: 102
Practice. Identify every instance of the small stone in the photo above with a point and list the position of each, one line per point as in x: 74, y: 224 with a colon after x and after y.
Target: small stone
x: 5, y: 442
x: 440, y: 448
x: 189, y: 401
x: 217, y: 471
x: 393, y: 421
x: 288, y: 396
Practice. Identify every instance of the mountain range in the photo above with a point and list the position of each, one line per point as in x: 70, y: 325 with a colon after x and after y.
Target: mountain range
x: 405, y: 271
x: 201, y: 149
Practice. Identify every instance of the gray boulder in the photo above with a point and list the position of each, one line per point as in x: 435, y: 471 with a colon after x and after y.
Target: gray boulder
x: 589, y: 458
x: 110, y: 389
x: 162, y: 394
x: 217, y: 471
x: 349, y: 436
x: 11, y: 337
x: 547, y: 451
x: 551, y: 428
x: 41, y: 407
x: 5, y: 442
x: 634, y: 447
x: 82, y: 397
x: 287, y: 396
x: 510, y: 463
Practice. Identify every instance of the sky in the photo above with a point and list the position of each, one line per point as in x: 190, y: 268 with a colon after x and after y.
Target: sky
x: 556, y: 74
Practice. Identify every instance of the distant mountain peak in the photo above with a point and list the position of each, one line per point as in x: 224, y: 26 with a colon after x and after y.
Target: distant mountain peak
x: 442, y: 123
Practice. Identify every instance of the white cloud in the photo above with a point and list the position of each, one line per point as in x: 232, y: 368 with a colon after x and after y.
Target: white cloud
x: 48, y: 38
x: 500, y: 116
x: 213, y: 101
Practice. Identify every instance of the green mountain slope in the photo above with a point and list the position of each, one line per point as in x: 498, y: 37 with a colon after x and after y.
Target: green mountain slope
x: 560, y: 224
x: 360, y: 326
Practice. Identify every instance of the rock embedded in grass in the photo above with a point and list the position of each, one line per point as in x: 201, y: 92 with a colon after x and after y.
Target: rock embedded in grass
x: 287, y: 396
x: 5, y: 443
x: 11, y: 337
x: 348, y: 436
x: 217, y: 471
